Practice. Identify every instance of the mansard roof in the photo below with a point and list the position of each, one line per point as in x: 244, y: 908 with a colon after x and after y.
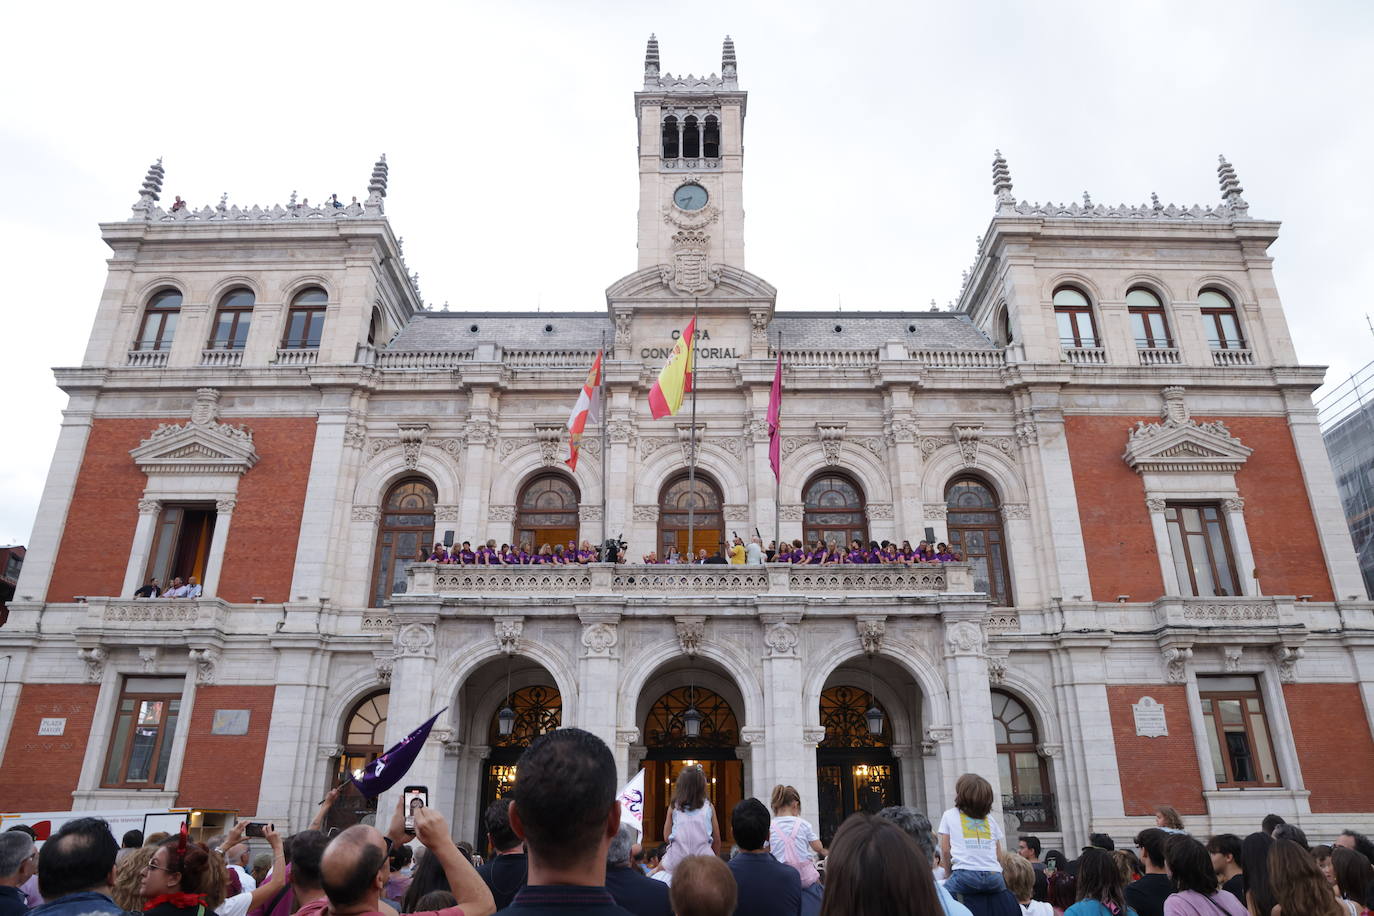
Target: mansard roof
x: 584, y: 330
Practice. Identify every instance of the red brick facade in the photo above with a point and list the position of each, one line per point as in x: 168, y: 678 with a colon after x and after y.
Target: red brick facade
x: 40, y: 771
x: 1118, y: 540
x: 1335, y: 747
x: 260, y: 554
x: 1156, y: 771
x: 226, y: 771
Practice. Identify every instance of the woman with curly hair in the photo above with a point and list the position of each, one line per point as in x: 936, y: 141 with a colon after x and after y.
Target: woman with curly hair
x: 127, y: 889
x: 182, y: 877
x: 1298, y: 884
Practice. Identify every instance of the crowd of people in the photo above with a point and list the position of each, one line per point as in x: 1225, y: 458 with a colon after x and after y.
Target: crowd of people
x: 559, y: 848
x: 737, y: 552
x: 176, y: 588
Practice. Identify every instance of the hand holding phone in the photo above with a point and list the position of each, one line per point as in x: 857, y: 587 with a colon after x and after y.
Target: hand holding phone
x: 413, y: 798
x: 256, y: 829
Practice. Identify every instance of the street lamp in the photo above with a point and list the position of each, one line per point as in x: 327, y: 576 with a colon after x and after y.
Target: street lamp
x: 691, y: 719
x: 505, y: 718
x: 874, y: 718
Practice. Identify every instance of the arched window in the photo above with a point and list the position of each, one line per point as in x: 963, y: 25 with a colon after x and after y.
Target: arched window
x: 975, y: 531
x: 710, y: 137
x: 855, y: 769
x: 159, y: 321
x: 1003, y: 326
x: 844, y: 713
x: 670, y: 138
x: 231, y: 321
x: 1074, y: 316
x: 547, y: 511
x: 364, y: 733
x: 1025, y: 781
x: 1220, y: 320
x: 834, y: 510
x: 691, y: 138
x: 664, y: 727
x: 537, y: 710
x: 707, y: 515
x: 376, y: 328
x: 305, y: 320
x: 1148, y: 322
x: 670, y: 750
x: 403, y: 536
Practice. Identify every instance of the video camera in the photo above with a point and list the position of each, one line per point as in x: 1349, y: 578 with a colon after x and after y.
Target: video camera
x: 610, y: 549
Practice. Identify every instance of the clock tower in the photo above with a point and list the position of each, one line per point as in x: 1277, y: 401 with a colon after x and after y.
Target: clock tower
x: 691, y: 172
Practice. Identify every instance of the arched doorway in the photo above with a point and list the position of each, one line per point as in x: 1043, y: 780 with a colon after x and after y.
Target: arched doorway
x: 538, y: 709
x: 403, y: 537
x: 1024, y: 776
x: 855, y: 766
x: 547, y: 511
x: 834, y: 510
x: 975, y: 530
x: 701, y: 500
x: 363, y: 740
x: 671, y: 747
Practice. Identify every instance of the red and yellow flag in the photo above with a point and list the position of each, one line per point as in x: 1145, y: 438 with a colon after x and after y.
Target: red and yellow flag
x: 665, y: 398
x: 585, y: 409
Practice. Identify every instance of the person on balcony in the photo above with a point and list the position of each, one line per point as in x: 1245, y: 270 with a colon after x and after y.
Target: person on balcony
x: 193, y: 589
x: 149, y: 589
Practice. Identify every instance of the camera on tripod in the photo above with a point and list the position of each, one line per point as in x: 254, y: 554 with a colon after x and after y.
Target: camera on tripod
x: 611, y: 549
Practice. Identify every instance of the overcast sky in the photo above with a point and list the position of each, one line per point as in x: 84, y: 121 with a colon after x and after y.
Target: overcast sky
x: 509, y: 128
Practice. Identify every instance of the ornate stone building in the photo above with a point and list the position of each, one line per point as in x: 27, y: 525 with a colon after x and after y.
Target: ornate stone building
x: 1160, y: 603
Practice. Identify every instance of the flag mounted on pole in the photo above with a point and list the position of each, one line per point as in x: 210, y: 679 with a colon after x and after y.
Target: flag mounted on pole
x: 390, y: 768
x: 665, y: 397
x: 588, y: 407
x: 774, y: 413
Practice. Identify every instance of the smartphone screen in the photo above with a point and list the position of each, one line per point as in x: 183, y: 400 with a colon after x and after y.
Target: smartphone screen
x: 254, y: 829
x: 416, y: 797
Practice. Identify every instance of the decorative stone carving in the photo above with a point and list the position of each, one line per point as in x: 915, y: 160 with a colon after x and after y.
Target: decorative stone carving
x: 149, y: 506
x: 1286, y: 657
x: 935, y: 735
x: 936, y: 513
x: 508, y: 633
x: 690, y: 274
x: 1180, y: 444
x: 880, y: 512
x: 781, y: 639
x: 550, y: 437
x: 753, y: 735
x: 355, y: 435
x: 964, y: 637
x: 1176, y: 660
x: 1016, y: 512
x: 225, y: 506
x: 1027, y: 430
x: 622, y: 330
x: 812, y: 735
x: 792, y: 512
x: 147, y: 658
x: 736, y: 512
x: 690, y: 219
x: 1049, y: 750
x: 997, y: 669
x: 685, y: 439
x: 967, y: 437
x: 329, y: 751
x: 1233, y: 504
x: 871, y: 631
x: 95, y: 658
x: 412, y: 441
x: 627, y: 736
x: 903, y: 430
x: 175, y: 612
x: 200, y: 446
x: 479, y: 431
x: 447, y: 513
x: 377, y: 620
x: 600, y: 637
x: 384, y: 663
x: 757, y: 431
x: 1238, y: 612
x: 1231, y: 658
x: 365, y: 513
x: 690, y: 632
x: 620, y: 432
x: 415, y: 640
x: 758, y: 333
x: 929, y: 445
x: 1155, y: 505
x: 205, y: 660
x: 831, y: 436
x: 645, y: 513
x: 587, y: 513
x: 1154, y: 211
x: 501, y: 513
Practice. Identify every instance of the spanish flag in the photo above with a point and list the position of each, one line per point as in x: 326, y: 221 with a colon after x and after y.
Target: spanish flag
x: 585, y: 409
x: 665, y: 398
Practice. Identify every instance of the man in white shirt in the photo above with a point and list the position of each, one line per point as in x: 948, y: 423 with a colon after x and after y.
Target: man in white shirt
x: 192, y: 588
x: 178, y: 589
x: 237, y: 860
x: 753, y: 553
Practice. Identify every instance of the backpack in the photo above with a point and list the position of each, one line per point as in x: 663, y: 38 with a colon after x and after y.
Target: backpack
x: 804, y: 865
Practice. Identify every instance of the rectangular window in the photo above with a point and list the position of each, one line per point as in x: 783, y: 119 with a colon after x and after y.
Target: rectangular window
x: 181, y: 543
x: 145, y: 725
x: 159, y: 327
x: 303, y: 329
x: 1150, y: 328
x: 231, y: 329
x: 1223, y: 329
x: 1241, y: 751
x: 1202, y: 550
x: 1076, y: 327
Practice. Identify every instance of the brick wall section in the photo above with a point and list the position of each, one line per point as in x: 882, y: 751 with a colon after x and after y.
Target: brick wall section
x: 260, y: 555
x: 1119, y: 542
x: 1335, y: 748
x: 226, y: 771
x: 40, y: 772
x: 261, y: 552
x: 1156, y: 771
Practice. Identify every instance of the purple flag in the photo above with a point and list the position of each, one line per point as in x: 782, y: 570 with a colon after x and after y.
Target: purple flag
x: 774, y: 412
x: 388, y: 769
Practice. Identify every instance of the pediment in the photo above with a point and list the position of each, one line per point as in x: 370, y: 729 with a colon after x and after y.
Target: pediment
x: 196, y: 448
x: 725, y: 283
x: 1183, y: 447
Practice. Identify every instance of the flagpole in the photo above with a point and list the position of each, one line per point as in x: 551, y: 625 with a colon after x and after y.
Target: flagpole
x: 605, y: 425
x: 692, y: 440
x: 777, y: 477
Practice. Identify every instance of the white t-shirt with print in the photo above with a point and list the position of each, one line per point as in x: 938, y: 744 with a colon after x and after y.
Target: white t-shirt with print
x: 972, y: 841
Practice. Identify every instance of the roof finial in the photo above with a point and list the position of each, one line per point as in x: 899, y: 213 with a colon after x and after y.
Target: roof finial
x: 1231, y: 189
x: 1001, y: 184
x: 376, y: 188
x: 728, y: 65
x: 150, y: 192
x: 651, y: 59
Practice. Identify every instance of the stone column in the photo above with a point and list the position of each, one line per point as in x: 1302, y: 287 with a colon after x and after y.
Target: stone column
x: 1234, y: 509
x: 412, y: 677
x: 1163, y: 548
x: 625, y: 740
x: 476, y: 478
x: 904, y: 466
x: 1090, y: 774
x: 598, y: 673
x: 789, y: 760
x: 46, y: 541
x: 322, y: 501
x: 764, y: 485
x: 974, y: 745
x: 291, y: 785
x: 214, y: 561
x: 1069, y: 560
x: 148, y: 511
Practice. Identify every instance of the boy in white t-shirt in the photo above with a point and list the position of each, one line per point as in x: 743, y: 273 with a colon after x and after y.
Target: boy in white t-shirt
x: 970, y: 840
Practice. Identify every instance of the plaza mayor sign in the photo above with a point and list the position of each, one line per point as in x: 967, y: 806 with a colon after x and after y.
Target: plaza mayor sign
x: 703, y: 352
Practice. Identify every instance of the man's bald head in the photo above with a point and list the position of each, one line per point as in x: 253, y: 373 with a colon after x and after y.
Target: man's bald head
x: 351, y: 864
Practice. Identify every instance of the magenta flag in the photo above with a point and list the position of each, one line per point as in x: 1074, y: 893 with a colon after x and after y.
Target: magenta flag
x: 390, y: 768
x: 774, y: 411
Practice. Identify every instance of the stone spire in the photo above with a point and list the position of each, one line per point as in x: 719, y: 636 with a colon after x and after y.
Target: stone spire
x: 1001, y: 184
x: 651, y: 60
x: 376, y: 189
x: 728, y: 65
x: 1231, y: 189
x: 150, y: 192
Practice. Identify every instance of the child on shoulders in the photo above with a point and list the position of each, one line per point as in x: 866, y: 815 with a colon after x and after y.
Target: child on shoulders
x: 971, y: 840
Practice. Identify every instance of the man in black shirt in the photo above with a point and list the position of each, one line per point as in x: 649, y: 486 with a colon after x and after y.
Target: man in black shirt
x: 630, y: 887
x: 1225, y: 851
x: 1147, y: 895
x: 505, y: 873
x: 766, y: 887
x: 1028, y: 848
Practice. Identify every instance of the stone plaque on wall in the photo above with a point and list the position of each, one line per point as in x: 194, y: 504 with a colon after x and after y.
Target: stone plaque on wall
x: 52, y: 726
x: 230, y: 722
x: 1149, y: 719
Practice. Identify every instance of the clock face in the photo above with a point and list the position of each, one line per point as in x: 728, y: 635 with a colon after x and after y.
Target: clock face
x: 690, y: 197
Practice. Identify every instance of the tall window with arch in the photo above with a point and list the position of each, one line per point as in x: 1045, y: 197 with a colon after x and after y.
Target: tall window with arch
x: 834, y: 510
x: 691, y: 137
x: 855, y: 767
x: 974, y: 519
x: 670, y: 748
x: 538, y: 709
x: 1024, y: 776
x: 710, y: 137
x: 305, y: 320
x: 363, y: 741
x: 1220, y: 321
x: 707, y: 515
x: 232, y: 319
x: 1073, y: 314
x: 671, y: 138
x: 547, y: 511
x: 403, y: 536
x: 159, y: 321
x: 1148, y: 321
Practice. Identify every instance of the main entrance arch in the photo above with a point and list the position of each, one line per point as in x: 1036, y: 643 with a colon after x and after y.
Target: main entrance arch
x: 855, y: 767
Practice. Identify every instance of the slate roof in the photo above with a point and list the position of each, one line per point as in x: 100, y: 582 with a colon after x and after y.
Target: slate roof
x: 584, y: 330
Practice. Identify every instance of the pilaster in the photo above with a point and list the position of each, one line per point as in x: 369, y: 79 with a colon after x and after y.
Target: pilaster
x: 51, y: 519
x: 322, y: 499
x: 598, y: 674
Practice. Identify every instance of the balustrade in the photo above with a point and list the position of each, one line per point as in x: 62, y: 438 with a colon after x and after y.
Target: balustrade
x: 297, y: 357
x: 219, y: 358
x: 1233, y: 357
x: 1159, y: 356
x: 147, y: 359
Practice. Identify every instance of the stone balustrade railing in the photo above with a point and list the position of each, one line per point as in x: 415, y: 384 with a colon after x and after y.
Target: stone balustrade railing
x: 670, y: 580
x: 220, y: 358
x: 290, y: 356
x: 164, y: 614
x: 1085, y: 356
x: 1159, y: 356
x: 547, y: 359
x: 827, y: 359
x: 147, y: 359
x: 960, y: 359
x: 422, y: 359
x: 1233, y: 357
